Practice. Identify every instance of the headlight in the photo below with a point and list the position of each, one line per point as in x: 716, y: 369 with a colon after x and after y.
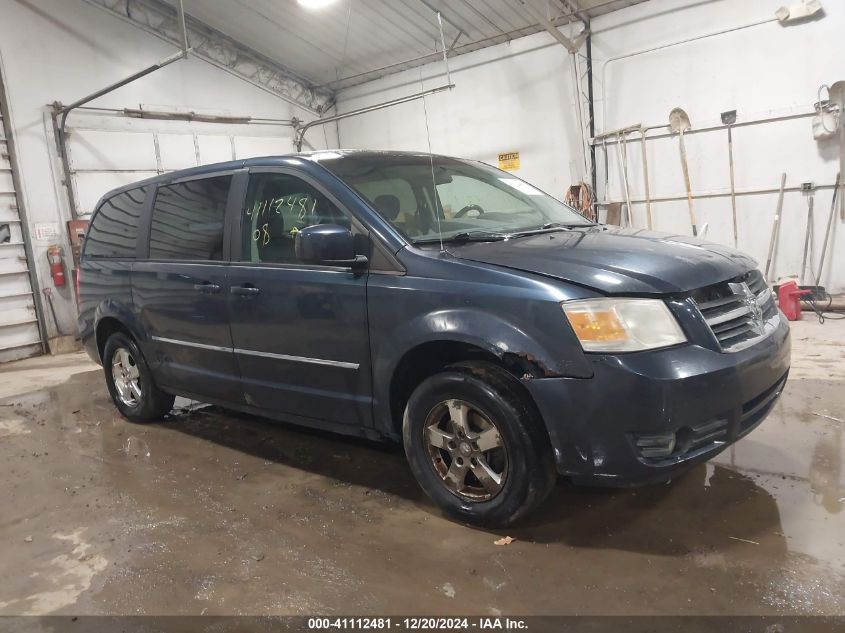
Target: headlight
x: 622, y: 325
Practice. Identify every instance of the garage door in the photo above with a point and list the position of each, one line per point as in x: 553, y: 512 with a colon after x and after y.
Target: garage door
x: 110, y: 149
x: 19, y: 333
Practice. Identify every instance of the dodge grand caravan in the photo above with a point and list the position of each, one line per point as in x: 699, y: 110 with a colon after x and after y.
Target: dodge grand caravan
x: 499, y: 335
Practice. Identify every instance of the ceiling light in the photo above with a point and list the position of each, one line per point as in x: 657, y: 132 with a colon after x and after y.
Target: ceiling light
x: 316, y: 4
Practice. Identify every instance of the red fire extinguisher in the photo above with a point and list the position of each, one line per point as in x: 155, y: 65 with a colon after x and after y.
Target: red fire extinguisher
x: 57, y: 264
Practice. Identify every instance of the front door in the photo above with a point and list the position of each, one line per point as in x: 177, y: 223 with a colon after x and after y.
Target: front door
x: 181, y: 290
x: 299, y: 331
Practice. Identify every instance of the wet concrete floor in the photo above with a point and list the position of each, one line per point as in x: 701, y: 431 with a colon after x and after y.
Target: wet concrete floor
x: 215, y: 513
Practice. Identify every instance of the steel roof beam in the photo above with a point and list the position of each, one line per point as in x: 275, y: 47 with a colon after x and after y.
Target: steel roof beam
x: 160, y: 19
x: 454, y: 49
x: 571, y: 45
x: 577, y: 10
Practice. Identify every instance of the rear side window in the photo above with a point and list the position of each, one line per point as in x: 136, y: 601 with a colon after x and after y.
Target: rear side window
x: 114, y: 227
x: 187, y: 222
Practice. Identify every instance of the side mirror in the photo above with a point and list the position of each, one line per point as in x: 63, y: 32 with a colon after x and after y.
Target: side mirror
x: 328, y: 245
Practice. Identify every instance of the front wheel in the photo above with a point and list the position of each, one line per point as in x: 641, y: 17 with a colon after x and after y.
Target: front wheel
x: 131, y: 383
x: 475, y: 445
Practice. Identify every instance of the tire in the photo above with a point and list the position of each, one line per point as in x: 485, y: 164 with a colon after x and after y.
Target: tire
x: 143, y: 401
x: 521, y: 456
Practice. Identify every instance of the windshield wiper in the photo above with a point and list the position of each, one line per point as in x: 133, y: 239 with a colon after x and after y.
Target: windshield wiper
x: 466, y: 236
x: 551, y: 227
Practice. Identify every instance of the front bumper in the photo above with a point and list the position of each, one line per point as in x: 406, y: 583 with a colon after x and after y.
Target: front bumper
x: 705, y: 399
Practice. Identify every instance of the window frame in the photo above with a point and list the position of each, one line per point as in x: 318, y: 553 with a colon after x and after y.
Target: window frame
x: 236, y: 244
x: 150, y: 209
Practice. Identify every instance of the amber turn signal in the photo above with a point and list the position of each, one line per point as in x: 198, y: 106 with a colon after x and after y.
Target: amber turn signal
x: 623, y: 324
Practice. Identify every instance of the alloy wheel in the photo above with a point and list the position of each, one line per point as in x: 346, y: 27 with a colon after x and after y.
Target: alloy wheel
x: 126, y: 377
x: 466, y: 450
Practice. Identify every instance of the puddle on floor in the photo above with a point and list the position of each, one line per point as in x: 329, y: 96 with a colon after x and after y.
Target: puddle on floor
x: 216, y: 513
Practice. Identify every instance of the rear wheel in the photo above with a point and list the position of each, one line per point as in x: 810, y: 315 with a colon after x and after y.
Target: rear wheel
x: 130, y: 381
x: 476, y: 446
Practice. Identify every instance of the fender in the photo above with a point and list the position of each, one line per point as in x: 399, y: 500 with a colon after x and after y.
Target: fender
x: 107, y: 309
x: 109, y: 279
x: 494, y: 334
x: 122, y: 313
x: 485, y: 330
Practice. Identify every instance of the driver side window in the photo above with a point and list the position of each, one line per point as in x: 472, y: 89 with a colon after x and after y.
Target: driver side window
x: 277, y: 207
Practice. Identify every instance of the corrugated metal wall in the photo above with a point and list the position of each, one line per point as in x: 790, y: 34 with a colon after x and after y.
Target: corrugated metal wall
x: 19, y: 332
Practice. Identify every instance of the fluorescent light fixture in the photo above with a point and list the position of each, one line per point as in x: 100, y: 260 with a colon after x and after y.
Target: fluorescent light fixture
x: 315, y: 4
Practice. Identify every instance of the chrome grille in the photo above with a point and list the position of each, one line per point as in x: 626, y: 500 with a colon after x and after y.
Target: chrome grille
x: 739, y: 311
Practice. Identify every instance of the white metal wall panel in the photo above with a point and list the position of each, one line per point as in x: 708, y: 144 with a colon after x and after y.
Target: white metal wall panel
x: 94, y: 149
x: 216, y: 149
x: 179, y: 151
x: 6, y: 183
x: 19, y: 335
x: 90, y: 186
x: 105, y: 159
x: 250, y: 147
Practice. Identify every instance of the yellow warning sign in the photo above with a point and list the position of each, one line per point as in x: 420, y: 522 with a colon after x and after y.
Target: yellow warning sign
x: 509, y: 161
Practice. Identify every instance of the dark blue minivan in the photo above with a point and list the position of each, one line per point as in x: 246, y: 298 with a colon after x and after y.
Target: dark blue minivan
x: 502, y: 337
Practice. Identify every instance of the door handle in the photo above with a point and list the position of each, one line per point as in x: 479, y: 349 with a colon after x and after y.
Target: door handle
x: 245, y: 291
x: 207, y: 288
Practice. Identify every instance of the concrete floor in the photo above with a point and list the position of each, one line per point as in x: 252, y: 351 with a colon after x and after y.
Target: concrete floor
x: 215, y: 513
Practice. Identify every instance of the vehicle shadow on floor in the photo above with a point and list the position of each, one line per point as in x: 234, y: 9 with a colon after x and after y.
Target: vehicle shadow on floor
x: 708, y: 509
x: 347, y: 459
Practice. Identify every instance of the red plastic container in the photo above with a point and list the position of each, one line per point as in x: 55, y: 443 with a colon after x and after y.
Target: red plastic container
x: 789, y: 300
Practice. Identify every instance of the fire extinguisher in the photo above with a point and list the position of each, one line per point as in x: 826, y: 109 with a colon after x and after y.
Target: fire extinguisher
x: 57, y: 264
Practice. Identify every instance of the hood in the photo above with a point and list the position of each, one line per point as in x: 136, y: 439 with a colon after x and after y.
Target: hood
x: 615, y: 260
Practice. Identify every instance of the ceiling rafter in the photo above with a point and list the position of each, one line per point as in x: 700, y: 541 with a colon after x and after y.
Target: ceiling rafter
x: 447, y: 18
x: 571, y: 45
x: 572, y: 5
x: 502, y: 22
x: 283, y: 24
x: 422, y: 34
x: 160, y: 19
x: 355, y: 41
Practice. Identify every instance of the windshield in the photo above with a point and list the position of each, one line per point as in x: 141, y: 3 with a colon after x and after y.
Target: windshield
x: 469, y: 200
